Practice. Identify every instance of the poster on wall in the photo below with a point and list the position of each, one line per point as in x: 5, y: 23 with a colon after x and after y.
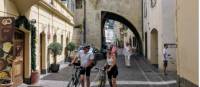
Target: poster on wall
x: 6, y: 48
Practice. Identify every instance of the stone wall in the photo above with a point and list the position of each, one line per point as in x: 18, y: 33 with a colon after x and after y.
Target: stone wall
x: 129, y: 9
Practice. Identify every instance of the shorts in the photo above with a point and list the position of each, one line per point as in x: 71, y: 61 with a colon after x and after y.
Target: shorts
x: 165, y: 63
x: 85, y: 71
x: 113, y: 72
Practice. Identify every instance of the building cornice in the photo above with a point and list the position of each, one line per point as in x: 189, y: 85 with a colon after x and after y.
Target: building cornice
x: 55, y: 11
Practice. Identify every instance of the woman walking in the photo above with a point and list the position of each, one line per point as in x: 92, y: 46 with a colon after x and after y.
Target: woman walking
x: 112, y: 70
x: 128, y: 53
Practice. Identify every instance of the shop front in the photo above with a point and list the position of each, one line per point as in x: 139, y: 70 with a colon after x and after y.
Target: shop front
x: 15, y: 60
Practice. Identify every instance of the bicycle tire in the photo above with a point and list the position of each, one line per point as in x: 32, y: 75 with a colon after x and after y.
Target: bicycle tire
x: 77, y: 83
x: 103, y: 81
x: 70, y: 84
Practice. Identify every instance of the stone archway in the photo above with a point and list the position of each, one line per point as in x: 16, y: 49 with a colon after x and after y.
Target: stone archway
x: 105, y: 15
x: 154, y: 47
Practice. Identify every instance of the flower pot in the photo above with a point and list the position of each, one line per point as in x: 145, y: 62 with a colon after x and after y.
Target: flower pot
x: 35, y: 76
x: 55, y: 68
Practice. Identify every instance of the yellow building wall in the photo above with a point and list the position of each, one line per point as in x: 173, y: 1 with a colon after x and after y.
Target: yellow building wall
x: 48, y: 22
x: 187, y: 34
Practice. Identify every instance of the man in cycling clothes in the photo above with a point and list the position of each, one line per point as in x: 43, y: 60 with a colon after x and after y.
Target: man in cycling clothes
x: 86, y: 60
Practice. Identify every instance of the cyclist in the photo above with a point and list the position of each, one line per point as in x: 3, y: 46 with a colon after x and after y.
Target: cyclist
x: 112, y: 70
x: 86, y: 60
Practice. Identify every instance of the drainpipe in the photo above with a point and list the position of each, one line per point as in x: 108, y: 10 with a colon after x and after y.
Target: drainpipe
x: 84, y: 22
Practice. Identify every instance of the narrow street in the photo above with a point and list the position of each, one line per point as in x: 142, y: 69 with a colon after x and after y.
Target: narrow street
x: 140, y: 74
x: 37, y: 37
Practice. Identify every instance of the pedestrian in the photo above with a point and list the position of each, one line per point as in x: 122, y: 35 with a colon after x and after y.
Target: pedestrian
x: 91, y: 48
x: 134, y: 51
x: 165, y: 58
x: 114, y: 49
x: 111, y: 67
x: 104, y: 50
x: 86, y: 63
x: 127, y: 53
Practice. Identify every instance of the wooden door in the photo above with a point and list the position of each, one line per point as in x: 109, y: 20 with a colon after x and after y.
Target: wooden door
x: 18, y: 63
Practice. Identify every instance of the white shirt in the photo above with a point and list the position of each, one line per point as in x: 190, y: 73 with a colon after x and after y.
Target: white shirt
x: 91, y: 50
x: 165, y: 54
x: 85, y: 57
x: 109, y: 61
x: 127, y: 50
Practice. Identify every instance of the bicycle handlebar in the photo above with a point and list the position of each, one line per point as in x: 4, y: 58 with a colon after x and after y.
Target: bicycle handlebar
x: 77, y: 67
x: 97, y: 68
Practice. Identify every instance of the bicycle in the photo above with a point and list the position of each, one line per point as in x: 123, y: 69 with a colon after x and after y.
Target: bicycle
x: 101, y: 77
x: 75, y: 81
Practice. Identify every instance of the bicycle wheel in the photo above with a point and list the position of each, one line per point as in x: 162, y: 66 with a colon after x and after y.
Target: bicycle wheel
x: 98, y: 81
x: 103, y: 80
x: 77, y: 83
x: 71, y: 83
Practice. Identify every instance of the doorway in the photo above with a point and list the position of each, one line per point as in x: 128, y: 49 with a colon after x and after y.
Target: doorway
x: 154, y: 48
x: 146, y: 50
x: 19, y: 63
x: 42, y: 53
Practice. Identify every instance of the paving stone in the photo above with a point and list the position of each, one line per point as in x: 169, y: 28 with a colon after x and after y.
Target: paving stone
x: 140, y: 70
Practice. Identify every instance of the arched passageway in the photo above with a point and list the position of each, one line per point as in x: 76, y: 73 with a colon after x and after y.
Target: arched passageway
x: 105, y: 15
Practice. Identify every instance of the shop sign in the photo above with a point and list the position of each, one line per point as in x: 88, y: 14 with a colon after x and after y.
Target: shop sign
x: 6, y: 47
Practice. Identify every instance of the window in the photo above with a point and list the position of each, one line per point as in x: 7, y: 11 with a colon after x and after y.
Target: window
x: 62, y: 40
x: 153, y: 3
x: 54, y: 38
x: 51, y: 2
x: 79, y: 4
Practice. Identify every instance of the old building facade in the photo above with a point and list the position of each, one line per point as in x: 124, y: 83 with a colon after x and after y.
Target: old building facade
x: 53, y: 22
x: 98, y: 11
x: 159, y: 29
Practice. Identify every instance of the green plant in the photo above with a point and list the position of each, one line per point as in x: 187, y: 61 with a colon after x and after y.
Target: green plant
x: 55, y: 49
x: 71, y: 47
x: 33, y: 47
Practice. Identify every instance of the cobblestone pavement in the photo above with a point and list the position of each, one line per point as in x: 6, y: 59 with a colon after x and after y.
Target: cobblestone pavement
x: 140, y: 74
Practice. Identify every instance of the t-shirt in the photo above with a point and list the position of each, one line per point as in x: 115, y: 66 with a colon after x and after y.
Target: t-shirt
x: 127, y: 50
x: 165, y: 54
x: 91, y: 50
x: 109, y: 61
x: 85, y: 57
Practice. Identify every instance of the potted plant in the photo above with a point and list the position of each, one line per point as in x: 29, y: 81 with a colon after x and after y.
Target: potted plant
x: 70, y: 47
x: 34, y: 73
x: 55, y: 49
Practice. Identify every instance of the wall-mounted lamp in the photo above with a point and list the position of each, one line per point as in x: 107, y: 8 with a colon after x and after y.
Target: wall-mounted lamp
x: 33, y: 21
